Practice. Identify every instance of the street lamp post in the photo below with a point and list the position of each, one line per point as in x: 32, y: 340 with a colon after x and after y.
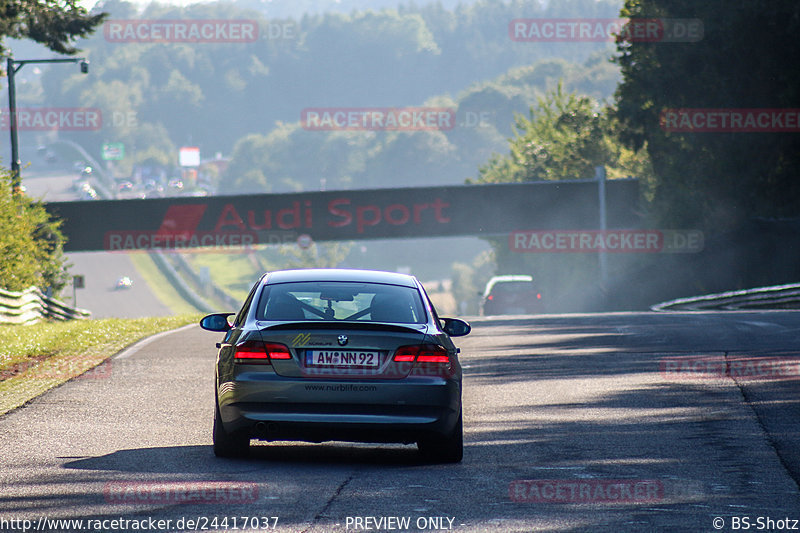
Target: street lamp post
x: 12, y: 66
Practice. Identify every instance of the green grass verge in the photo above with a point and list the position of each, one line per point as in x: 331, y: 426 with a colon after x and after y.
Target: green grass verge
x: 160, y: 285
x: 36, y: 358
x: 233, y: 271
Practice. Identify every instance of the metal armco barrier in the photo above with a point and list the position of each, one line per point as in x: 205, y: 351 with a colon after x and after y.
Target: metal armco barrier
x: 776, y: 297
x: 222, y: 221
x: 31, y: 305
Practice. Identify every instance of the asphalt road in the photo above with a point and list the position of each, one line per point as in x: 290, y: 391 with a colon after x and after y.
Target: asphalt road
x: 101, y: 271
x: 572, y: 423
x: 49, y: 186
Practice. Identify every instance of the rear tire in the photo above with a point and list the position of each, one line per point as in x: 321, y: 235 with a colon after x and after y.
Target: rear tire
x: 228, y: 444
x: 444, y: 449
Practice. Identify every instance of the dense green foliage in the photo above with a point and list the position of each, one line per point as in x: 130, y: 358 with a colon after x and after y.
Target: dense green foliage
x: 291, y: 158
x: 566, y: 136
x: 30, y: 243
x: 247, y: 98
x: 55, y: 24
x: 716, y: 181
x: 745, y: 60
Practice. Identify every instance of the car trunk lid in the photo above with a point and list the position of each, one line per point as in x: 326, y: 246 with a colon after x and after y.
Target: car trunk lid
x: 350, y: 350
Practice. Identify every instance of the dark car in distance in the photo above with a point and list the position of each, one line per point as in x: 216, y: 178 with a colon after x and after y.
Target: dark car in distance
x: 334, y: 354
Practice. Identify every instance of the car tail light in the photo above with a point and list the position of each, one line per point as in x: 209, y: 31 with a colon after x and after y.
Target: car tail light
x: 405, y: 354
x: 278, y: 351
x: 251, y: 351
x: 257, y: 352
x: 490, y: 297
x: 422, y: 353
x: 433, y: 353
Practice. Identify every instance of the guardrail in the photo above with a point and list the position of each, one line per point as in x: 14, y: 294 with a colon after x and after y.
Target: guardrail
x: 177, y: 281
x: 211, y: 289
x: 774, y: 297
x: 32, y: 305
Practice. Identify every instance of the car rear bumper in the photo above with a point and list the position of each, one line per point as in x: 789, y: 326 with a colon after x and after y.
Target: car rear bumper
x: 512, y: 309
x: 363, y: 411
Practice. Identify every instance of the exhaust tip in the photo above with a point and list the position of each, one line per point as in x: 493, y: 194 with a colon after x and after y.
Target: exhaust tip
x: 264, y: 429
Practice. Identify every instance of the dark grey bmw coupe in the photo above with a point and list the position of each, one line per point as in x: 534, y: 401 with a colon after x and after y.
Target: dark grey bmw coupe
x: 332, y: 354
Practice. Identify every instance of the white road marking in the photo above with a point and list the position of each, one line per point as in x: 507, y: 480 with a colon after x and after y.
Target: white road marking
x: 131, y: 350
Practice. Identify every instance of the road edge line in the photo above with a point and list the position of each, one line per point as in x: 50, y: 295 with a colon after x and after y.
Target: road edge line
x: 141, y: 343
x: 123, y: 353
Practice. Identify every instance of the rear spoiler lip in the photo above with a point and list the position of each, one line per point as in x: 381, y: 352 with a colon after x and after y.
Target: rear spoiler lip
x: 340, y: 326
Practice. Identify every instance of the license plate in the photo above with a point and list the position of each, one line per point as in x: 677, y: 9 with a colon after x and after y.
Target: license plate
x: 341, y: 358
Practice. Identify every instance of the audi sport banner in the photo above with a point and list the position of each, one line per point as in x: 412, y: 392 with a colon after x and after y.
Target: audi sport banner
x: 222, y: 221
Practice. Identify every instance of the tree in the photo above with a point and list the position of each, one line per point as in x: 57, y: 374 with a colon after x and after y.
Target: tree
x: 564, y: 137
x: 31, y: 243
x: 715, y: 181
x: 55, y: 24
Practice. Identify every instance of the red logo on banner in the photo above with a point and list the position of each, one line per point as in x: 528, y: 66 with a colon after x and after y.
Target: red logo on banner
x: 182, y: 219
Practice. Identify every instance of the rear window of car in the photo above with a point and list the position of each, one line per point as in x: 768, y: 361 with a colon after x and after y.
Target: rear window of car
x: 510, y: 287
x: 370, y: 302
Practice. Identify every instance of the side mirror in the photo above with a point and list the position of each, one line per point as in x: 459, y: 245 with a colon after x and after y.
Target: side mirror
x: 216, y: 322
x: 455, y: 327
